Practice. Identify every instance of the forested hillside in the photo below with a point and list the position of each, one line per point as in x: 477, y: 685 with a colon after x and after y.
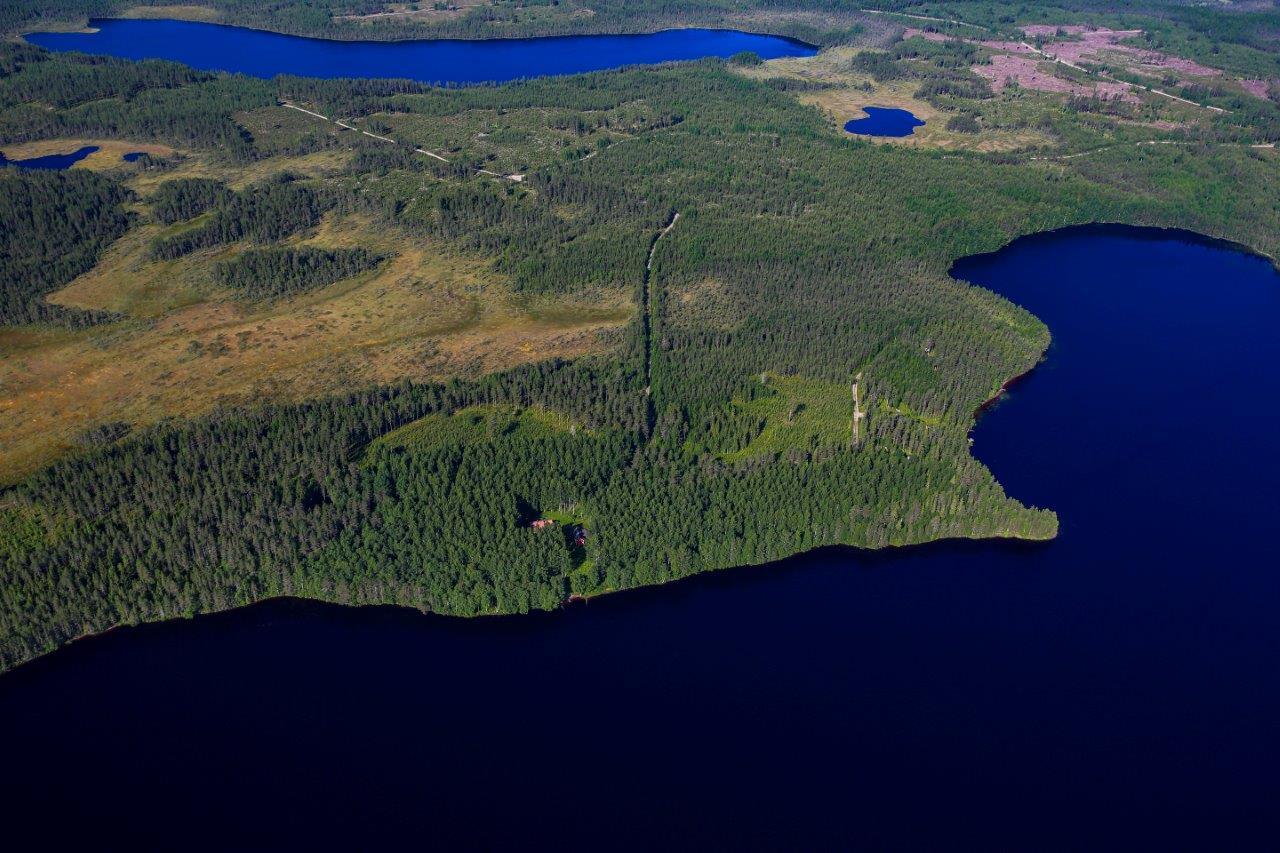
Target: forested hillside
x: 678, y: 387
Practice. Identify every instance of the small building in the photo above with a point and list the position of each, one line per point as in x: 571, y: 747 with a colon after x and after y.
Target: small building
x: 540, y: 523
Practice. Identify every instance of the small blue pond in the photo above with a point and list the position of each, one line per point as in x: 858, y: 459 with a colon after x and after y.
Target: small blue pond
x: 51, y: 161
x: 134, y: 156
x: 884, y: 121
x: 264, y: 54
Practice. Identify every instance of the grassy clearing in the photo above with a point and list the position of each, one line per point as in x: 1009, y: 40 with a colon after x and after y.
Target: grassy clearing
x: 318, y: 165
x: 514, y: 141
x: 798, y: 413
x: 841, y: 105
x: 906, y: 411
x: 477, y: 425
x: 849, y: 91
x: 1015, y: 119
x: 189, y: 346
x: 177, y: 12
x: 279, y: 129
x: 126, y: 281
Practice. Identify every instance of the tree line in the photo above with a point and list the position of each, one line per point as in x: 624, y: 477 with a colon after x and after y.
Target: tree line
x: 186, y: 198
x: 55, y: 227
x: 272, y: 273
x: 263, y: 213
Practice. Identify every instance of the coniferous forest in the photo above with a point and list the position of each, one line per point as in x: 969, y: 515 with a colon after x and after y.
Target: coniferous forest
x: 765, y: 259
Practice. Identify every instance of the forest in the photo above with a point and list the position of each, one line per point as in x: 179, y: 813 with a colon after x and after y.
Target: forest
x: 55, y: 225
x: 710, y: 428
x: 262, y: 213
x: 265, y: 273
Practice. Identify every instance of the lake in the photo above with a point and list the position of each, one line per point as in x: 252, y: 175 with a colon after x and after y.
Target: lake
x: 266, y: 54
x: 1114, y: 688
x: 51, y: 161
x: 884, y: 121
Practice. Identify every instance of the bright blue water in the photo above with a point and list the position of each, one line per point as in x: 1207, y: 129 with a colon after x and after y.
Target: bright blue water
x: 884, y: 121
x: 264, y: 54
x: 1117, y: 688
x: 51, y: 161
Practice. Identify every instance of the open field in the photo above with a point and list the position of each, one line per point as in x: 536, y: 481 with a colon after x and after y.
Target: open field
x: 476, y: 425
x: 319, y: 164
x: 797, y: 412
x: 126, y: 281
x: 424, y: 314
x: 514, y: 141
x: 1063, y: 108
x: 277, y: 129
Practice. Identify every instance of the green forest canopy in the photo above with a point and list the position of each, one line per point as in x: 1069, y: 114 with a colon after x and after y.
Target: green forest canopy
x: 713, y: 434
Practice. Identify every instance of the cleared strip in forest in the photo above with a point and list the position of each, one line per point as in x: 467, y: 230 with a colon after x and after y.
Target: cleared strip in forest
x: 925, y: 18
x: 346, y: 126
x: 646, y: 316
x: 1145, y: 142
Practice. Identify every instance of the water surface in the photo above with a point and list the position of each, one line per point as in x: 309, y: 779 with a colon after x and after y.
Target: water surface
x: 51, y: 161
x: 266, y: 54
x: 884, y: 121
x: 1116, y: 688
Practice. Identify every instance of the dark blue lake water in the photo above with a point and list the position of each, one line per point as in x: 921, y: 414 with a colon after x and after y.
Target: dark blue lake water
x: 51, y: 161
x: 1116, y: 688
x: 264, y: 54
x: 884, y: 121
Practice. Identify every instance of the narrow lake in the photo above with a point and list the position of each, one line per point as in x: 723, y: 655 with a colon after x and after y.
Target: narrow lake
x: 1119, y: 683
x: 265, y: 54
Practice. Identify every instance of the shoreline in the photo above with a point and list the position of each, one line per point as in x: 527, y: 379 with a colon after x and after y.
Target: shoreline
x: 573, y: 600
x: 89, y: 28
x: 1132, y: 231
x: 1148, y: 232
x: 1122, y: 229
x: 989, y: 403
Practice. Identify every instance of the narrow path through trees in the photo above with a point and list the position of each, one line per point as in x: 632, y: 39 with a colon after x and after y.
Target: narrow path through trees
x: 346, y: 126
x: 646, y: 316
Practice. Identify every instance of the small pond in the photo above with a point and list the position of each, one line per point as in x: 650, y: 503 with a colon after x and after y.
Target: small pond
x: 51, y: 161
x: 884, y: 121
